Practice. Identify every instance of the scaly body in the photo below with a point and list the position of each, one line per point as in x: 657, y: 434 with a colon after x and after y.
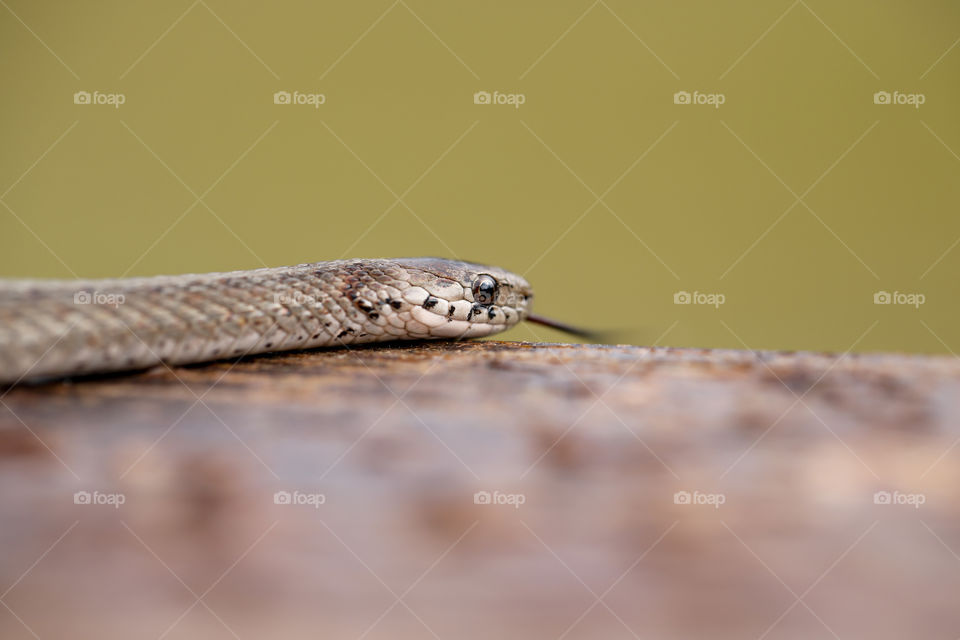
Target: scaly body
x: 63, y: 328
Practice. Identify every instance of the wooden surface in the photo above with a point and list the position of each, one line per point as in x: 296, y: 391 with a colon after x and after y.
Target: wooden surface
x: 587, y: 446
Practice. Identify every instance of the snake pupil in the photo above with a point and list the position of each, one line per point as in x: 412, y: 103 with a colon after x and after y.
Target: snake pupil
x: 484, y: 289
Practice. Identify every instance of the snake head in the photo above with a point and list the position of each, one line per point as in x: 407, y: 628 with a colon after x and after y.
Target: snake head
x: 456, y: 299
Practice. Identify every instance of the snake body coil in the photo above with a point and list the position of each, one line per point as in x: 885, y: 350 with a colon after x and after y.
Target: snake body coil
x: 64, y: 328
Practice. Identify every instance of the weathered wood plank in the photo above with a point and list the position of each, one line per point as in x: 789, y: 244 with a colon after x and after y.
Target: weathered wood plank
x: 595, y: 441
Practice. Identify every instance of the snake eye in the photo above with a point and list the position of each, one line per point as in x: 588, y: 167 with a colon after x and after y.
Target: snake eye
x: 484, y: 289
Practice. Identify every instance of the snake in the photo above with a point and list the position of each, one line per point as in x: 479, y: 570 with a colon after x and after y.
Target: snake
x: 52, y: 329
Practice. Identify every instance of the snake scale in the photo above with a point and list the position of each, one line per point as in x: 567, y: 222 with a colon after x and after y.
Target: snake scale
x: 51, y: 329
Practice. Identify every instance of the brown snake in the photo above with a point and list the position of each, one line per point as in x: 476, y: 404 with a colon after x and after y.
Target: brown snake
x: 53, y: 329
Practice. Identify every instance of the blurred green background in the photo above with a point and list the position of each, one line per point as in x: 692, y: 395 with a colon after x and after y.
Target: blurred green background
x: 796, y: 199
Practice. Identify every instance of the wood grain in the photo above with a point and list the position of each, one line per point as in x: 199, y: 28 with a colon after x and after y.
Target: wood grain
x: 594, y: 442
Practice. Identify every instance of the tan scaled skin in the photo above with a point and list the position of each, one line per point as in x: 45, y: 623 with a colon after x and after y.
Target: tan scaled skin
x: 67, y: 328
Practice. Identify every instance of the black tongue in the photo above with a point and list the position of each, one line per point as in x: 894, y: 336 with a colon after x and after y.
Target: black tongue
x: 560, y: 326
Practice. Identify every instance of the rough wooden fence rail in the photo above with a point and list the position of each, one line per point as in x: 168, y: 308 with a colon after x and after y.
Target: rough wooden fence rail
x: 487, y: 490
